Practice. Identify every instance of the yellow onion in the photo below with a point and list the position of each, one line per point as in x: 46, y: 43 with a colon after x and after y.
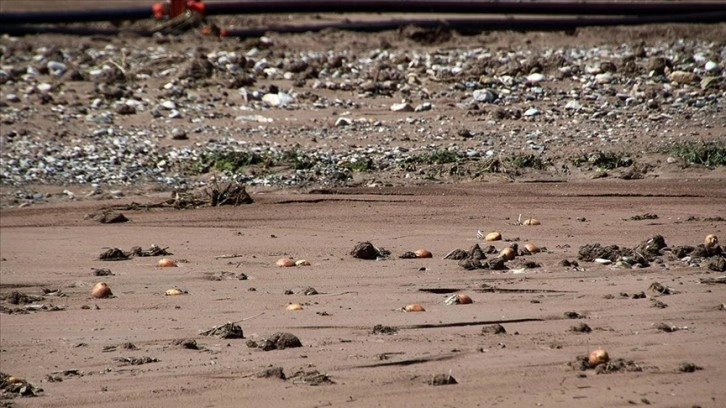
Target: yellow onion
x: 710, y: 241
x: 14, y: 380
x: 415, y: 307
x: 531, y: 221
x: 531, y: 248
x: 507, y: 253
x: 285, y: 262
x: 302, y: 262
x: 464, y: 299
x: 493, y: 236
x: 423, y: 253
x: 174, y: 292
x: 294, y: 306
x: 101, y: 290
x: 166, y: 263
x: 597, y: 357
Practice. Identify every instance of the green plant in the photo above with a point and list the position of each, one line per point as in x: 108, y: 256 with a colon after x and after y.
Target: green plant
x: 438, y: 156
x: 709, y: 154
x: 527, y: 160
x: 604, y: 160
x: 358, y: 166
x: 228, y: 162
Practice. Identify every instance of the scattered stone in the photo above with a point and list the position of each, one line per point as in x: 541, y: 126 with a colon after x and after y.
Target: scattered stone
x: 224, y: 275
x: 14, y: 386
x: 573, y: 315
x: 618, y: 365
x: 646, y: 216
x: 658, y: 304
x: 664, y: 327
x: 111, y: 217
x: 402, y: 107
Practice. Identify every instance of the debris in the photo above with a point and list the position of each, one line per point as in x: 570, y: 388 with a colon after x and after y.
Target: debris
x: 661, y: 290
x: 272, y: 372
x: 278, y: 341
x: 443, y: 379
x: 186, y: 343
x: 114, y: 254
x: 366, y: 250
x: 381, y: 329
x: 581, y: 328
x: 225, y: 331
x: 310, y: 378
x: 136, y: 360
x: 646, y: 216
x: 687, y: 367
x: 493, y: 329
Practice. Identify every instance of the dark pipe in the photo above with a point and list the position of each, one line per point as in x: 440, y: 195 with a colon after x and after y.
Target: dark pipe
x: 75, y: 16
x: 470, y: 24
x: 378, y: 6
x: 461, y: 7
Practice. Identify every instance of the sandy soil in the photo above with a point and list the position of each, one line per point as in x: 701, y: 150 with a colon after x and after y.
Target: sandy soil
x: 74, y: 353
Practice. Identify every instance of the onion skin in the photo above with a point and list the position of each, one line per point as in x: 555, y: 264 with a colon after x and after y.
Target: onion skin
x: 285, y: 262
x: 101, y: 290
x: 597, y: 357
x: 302, y: 262
x: 415, y: 307
x: 423, y: 253
x: 507, y: 254
x: 710, y: 241
x: 493, y: 236
x: 531, y: 221
x: 166, y: 263
x: 531, y: 248
x: 294, y: 306
x: 174, y: 292
x: 464, y: 299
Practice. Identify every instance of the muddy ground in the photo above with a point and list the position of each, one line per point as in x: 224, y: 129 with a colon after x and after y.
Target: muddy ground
x: 144, y: 348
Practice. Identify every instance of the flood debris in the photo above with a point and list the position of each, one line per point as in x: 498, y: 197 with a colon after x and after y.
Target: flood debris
x: 136, y: 360
x: 688, y: 367
x: 581, y: 328
x: 224, y: 275
x: 272, y: 372
x: 117, y: 254
x: 313, y: 378
x: 661, y: 289
x: 366, y: 250
x: 229, y: 330
x: 110, y: 217
x: 493, y: 329
x: 114, y: 254
x: 190, y: 344
x: 278, y: 341
x: 443, y: 379
x: 101, y: 272
x: 381, y: 329
x: 13, y: 386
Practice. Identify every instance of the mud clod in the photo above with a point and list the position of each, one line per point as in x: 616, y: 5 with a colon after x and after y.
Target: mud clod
x: 313, y: 378
x: 581, y: 328
x: 687, y: 367
x: 190, y: 344
x: 114, y: 254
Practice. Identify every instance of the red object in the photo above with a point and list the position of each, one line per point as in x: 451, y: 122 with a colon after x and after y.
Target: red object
x: 196, y: 5
x: 160, y: 10
x: 177, y: 8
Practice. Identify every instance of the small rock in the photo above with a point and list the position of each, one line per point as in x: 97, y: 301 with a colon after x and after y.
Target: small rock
x: 535, y: 78
x: 280, y: 100
x: 402, y: 107
x: 682, y: 77
x: 12, y: 98
x: 426, y: 106
x: 484, y: 95
x: 341, y: 122
x: 531, y: 112
x: 179, y: 134
x: 443, y: 379
x: 493, y: 329
x: 168, y: 105
x: 711, y: 66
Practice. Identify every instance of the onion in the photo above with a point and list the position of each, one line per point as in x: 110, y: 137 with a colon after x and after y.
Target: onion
x: 166, y: 263
x: 493, y: 236
x: 302, y: 262
x: 294, y: 306
x: 531, y: 248
x: 423, y: 253
x: 415, y: 307
x: 174, y: 292
x: 464, y: 299
x: 531, y: 221
x: 101, y: 290
x: 285, y: 262
x: 507, y: 253
x: 14, y: 380
x: 710, y: 241
x: 597, y: 357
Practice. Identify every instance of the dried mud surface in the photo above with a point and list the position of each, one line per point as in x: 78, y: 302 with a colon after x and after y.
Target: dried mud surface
x: 142, y: 347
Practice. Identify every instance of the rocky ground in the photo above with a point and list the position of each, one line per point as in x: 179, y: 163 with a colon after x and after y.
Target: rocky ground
x: 614, y: 139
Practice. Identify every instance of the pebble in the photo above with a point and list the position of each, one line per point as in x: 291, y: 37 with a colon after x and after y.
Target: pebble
x: 402, y: 107
x: 484, y: 95
x: 535, y: 78
x: 12, y: 98
x: 342, y: 122
x: 278, y: 100
x: 532, y: 112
